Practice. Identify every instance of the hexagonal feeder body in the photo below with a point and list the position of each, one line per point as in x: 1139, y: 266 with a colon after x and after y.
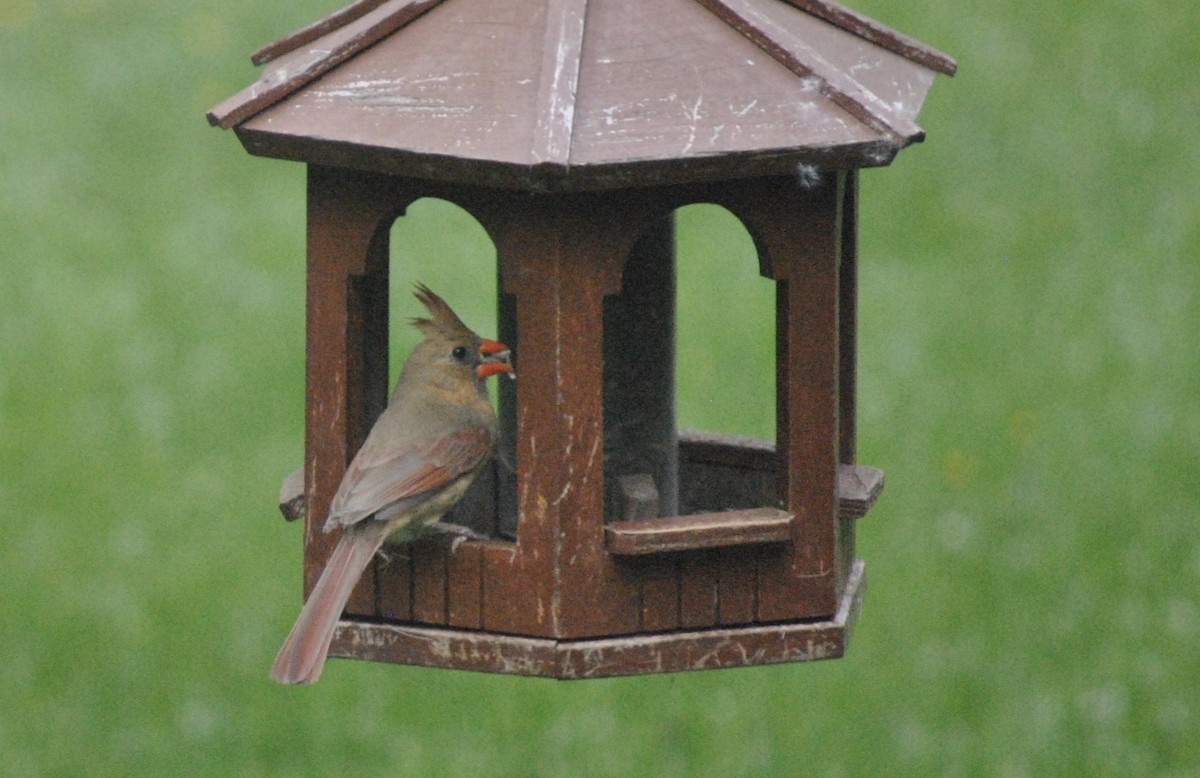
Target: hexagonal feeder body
x: 572, y: 130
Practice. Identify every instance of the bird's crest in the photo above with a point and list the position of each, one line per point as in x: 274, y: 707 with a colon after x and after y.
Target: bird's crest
x: 442, y: 320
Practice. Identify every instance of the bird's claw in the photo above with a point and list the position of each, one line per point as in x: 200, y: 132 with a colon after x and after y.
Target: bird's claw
x: 459, y: 534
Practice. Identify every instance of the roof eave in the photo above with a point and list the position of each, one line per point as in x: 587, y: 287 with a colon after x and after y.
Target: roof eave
x: 567, y: 177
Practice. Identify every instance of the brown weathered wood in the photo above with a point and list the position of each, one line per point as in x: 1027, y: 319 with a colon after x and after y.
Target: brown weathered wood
x: 659, y: 592
x: 848, y: 504
x: 557, y: 81
x: 518, y: 585
x: 706, y: 530
x: 881, y: 35
x: 476, y: 92
x: 429, y: 584
x: 738, y: 462
x: 737, y: 585
x: 443, y: 647
x: 311, y: 32
x: 699, y: 587
x: 300, y: 67
x: 802, y: 583
x: 464, y: 586
x: 542, y: 118
x: 738, y: 451
x: 459, y: 84
x: 637, y: 497
x: 520, y: 581
x: 848, y: 324
x: 506, y: 402
x: 798, y: 56
x: 346, y: 372
x: 717, y: 648
x: 707, y: 649
x: 394, y: 583
x: 557, y: 579
x: 722, y: 472
x: 710, y: 92
x: 859, y: 487
x: 594, y: 597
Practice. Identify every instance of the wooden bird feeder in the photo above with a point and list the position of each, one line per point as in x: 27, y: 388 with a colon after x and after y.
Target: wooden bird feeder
x: 572, y: 130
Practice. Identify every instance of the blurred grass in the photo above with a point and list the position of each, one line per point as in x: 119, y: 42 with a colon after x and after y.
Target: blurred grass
x: 1028, y: 380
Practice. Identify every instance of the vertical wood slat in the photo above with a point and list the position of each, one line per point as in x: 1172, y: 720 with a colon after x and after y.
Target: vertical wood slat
x: 394, y: 581
x: 848, y: 324
x: 506, y: 451
x: 464, y: 587
x: 558, y: 259
x: 366, y: 385
x: 346, y: 366
x: 429, y: 586
x: 660, y: 594
x: 519, y: 582
x: 737, y: 581
x: 595, y: 595
x: 801, y: 584
x: 848, y: 363
x: 464, y: 564
x: 698, y: 590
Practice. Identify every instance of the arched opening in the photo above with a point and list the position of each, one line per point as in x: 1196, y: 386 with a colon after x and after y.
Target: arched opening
x: 725, y: 355
x: 440, y: 244
x: 689, y: 345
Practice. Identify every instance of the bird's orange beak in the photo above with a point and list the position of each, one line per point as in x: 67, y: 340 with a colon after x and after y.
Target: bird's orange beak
x: 496, y: 359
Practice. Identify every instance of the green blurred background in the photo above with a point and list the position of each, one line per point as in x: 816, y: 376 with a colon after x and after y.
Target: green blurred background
x: 1029, y: 383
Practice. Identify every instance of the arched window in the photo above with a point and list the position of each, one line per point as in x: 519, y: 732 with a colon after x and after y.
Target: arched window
x: 671, y: 370
x: 439, y: 244
x: 725, y: 353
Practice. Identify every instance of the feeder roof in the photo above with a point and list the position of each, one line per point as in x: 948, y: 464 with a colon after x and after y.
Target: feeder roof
x: 586, y: 94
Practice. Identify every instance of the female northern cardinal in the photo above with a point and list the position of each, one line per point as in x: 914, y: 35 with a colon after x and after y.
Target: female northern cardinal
x: 435, y: 436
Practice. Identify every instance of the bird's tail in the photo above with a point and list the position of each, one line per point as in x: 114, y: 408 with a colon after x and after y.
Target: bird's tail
x: 302, y: 656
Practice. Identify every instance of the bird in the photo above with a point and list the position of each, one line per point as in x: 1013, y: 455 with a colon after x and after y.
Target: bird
x: 437, y: 433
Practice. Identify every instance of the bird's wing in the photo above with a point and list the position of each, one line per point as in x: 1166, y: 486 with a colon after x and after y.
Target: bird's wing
x: 380, y: 476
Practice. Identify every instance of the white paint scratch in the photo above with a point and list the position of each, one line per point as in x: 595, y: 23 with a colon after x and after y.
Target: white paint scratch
x: 570, y: 419
x: 694, y: 116
x: 595, y: 450
x: 746, y: 109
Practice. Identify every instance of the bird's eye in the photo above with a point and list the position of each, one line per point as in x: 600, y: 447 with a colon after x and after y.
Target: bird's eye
x: 459, y: 353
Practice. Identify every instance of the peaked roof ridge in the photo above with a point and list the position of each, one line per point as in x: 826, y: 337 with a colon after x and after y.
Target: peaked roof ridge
x: 352, y: 30
x: 310, y: 32
x: 879, y: 34
x: 562, y: 55
x: 798, y: 56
